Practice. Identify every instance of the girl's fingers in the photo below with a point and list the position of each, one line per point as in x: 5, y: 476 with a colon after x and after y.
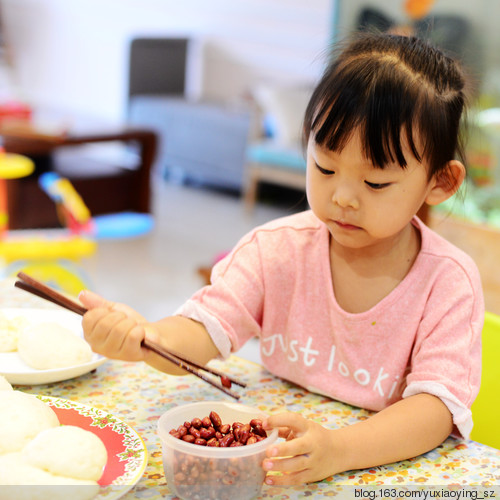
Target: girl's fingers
x: 292, y: 479
x: 112, y: 329
x: 120, y: 344
x: 290, y: 425
x: 293, y: 448
x: 293, y: 421
x: 291, y: 464
x: 91, y: 300
x: 105, y: 321
x: 94, y: 323
x: 151, y: 334
x: 107, y: 334
x: 131, y: 348
x: 285, y: 433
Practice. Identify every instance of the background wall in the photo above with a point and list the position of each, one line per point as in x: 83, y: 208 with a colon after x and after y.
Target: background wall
x: 482, y: 14
x: 481, y: 55
x: 73, y: 54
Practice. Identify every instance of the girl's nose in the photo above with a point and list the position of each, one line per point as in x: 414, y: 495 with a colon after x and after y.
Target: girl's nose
x: 345, y: 197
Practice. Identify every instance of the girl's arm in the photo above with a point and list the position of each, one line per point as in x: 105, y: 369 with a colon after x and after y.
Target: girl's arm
x: 182, y: 335
x: 404, y: 430
x: 116, y: 331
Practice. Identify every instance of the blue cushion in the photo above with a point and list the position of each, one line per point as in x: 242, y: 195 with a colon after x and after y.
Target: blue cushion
x: 271, y: 153
x: 122, y: 225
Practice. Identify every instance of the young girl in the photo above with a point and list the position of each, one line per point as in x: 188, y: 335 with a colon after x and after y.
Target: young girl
x: 356, y: 299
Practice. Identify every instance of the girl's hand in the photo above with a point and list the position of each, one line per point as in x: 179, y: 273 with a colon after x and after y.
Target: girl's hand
x: 113, y: 330
x: 307, y: 455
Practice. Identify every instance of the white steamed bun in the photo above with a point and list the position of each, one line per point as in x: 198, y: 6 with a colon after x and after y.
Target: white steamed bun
x: 49, y: 345
x: 67, y: 451
x: 22, y: 481
x: 9, y: 332
x: 22, y: 417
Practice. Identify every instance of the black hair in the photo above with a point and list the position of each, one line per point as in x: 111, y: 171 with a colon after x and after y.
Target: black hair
x: 390, y: 88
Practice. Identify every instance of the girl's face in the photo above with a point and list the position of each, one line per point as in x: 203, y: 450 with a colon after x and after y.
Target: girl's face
x: 363, y: 206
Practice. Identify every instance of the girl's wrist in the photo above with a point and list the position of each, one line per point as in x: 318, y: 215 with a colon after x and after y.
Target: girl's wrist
x: 349, y: 447
x: 342, y: 459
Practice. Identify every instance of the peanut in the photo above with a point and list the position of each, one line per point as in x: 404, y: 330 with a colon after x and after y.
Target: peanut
x: 210, y: 431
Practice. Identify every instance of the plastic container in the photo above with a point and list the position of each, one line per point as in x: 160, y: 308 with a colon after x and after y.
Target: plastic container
x: 195, y: 472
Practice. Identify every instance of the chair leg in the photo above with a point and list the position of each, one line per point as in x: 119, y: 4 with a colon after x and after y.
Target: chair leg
x: 250, y: 191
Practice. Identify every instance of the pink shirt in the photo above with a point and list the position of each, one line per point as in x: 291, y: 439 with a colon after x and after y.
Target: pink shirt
x: 424, y: 337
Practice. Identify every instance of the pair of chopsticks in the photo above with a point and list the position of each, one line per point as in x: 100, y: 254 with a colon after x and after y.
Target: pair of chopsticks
x: 35, y: 287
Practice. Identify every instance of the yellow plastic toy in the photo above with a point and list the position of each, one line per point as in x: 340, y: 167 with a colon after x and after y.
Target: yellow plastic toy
x: 12, y: 166
x: 49, y: 256
x: 52, y: 256
x: 70, y: 206
x: 486, y: 407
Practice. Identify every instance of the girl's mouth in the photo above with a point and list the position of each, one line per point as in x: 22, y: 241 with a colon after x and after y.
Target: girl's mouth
x: 345, y: 226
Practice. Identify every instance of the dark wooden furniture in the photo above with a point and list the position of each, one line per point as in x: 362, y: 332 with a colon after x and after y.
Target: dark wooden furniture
x: 106, y: 187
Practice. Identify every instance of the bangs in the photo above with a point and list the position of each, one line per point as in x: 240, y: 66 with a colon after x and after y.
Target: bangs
x: 383, y: 110
x: 399, y: 94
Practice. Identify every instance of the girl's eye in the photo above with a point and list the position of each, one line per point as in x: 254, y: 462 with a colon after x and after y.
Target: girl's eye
x: 374, y: 185
x: 324, y: 171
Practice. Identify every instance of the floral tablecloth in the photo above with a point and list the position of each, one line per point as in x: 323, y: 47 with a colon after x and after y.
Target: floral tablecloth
x: 139, y: 395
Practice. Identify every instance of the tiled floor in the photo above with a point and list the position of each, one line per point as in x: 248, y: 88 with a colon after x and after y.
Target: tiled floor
x: 156, y: 273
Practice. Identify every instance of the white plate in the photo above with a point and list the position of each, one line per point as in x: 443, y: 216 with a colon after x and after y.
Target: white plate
x: 17, y: 372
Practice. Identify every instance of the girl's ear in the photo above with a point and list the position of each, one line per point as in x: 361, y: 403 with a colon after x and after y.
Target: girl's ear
x: 446, y: 183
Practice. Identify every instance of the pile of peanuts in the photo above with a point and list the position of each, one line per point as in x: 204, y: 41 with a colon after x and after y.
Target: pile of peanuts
x: 209, y: 478
x: 210, y: 431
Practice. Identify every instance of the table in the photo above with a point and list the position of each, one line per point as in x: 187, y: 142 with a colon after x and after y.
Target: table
x: 137, y: 394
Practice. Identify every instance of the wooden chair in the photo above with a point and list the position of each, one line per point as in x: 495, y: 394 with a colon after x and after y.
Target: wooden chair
x: 105, y: 186
x: 269, y: 162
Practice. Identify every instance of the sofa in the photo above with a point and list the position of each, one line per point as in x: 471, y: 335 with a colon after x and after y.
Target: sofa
x: 198, y: 141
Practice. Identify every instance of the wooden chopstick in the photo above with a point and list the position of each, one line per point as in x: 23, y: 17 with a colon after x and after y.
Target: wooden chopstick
x: 35, y: 287
x: 213, y: 371
x: 188, y: 366
x: 43, y: 291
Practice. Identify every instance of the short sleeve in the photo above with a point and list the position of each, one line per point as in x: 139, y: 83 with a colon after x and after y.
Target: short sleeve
x: 230, y: 307
x: 446, y: 356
